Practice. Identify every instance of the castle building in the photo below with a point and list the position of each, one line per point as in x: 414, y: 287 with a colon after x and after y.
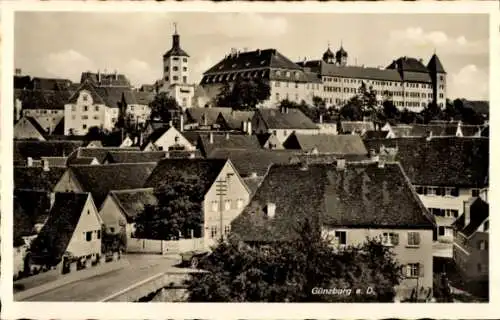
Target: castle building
x: 176, y: 71
x: 406, y: 81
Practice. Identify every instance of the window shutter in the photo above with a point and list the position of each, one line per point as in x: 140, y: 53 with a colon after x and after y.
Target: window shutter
x: 417, y: 238
x: 421, y: 270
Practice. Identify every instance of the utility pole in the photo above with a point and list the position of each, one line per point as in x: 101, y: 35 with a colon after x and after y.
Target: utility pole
x: 221, y: 189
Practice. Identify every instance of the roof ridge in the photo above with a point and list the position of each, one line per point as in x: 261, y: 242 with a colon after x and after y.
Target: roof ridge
x: 128, y: 190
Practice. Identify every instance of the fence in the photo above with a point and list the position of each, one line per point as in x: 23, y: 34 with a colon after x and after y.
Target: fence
x: 135, y: 245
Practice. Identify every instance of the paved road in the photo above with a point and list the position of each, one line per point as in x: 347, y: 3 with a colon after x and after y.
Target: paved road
x: 101, y: 286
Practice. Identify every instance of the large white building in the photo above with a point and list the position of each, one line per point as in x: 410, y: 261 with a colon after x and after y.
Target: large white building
x: 176, y: 72
x: 406, y: 81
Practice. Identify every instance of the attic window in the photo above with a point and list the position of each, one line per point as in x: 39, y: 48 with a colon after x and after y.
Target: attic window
x: 288, y: 74
x: 234, y: 65
x: 278, y: 73
x: 263, y: 62
x: 247, y: 64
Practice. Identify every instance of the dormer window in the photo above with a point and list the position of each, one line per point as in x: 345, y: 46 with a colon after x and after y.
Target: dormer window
x: 278, y: 73
x: 234, y: 65
x: 288, y: 74
x: 247, y: 64
x: 263, y: 62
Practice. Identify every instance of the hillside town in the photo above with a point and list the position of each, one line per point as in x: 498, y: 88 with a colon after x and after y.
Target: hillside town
x: 114, y: 184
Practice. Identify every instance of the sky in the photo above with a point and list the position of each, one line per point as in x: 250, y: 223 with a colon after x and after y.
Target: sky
x: 64, y: 44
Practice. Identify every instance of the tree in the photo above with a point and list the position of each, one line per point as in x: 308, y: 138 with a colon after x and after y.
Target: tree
x: 243, y: 94
x: 95, y: 133
x: 178, y: 212
x: 369, y: 102
x: 164, y: 107
x: 290, y: 271
x: 390, y: 112
x: 352, y: 111
x: 431, y: 112
x: 318, y: 102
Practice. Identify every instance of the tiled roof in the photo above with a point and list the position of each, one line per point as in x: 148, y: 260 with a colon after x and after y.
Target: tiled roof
x: 112, y: 79
x: 57, y: 232
x: 441, y: 130
x: 95, y: 144
x: 30, y: 208
x: 408, y: 64
x: 290, y: 119
x: 134, y: 156
x: 80, y: 160
x: 402, y: 130
x: 143, y: 97
x: 470, y: 130
x: 35, y: 178
x: 460, y: 162
x: 235, y: 119
x: 359, y: 72
x: 326, y: 143
x: 50, y: 84
x: 113, y: 96
x: 132, y: 202
x: 39, y: 149
x: 227, y: 141
x: 253, y: 183
x: 156, y: 134
x: 192, y: 136
x: 22, y: 82
x: 43, y: 99
x: 87, y: 86
x: 360, y: 196
x: 176, y: 49
x: 479, y: 212
x: 100, y: 179
x: 375, y: 134
x: 356, y: 126
x: 206, y: 169
x: 100, y: 153
x: 251, y: 60
x: 205, y: 116
x: 56, y: 161
x: 417, y: 77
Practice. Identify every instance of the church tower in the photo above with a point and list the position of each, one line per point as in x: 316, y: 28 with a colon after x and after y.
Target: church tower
x: 328, y: 56
x: 341, y: 56
x: 175, y: 62
x: 438, y: 78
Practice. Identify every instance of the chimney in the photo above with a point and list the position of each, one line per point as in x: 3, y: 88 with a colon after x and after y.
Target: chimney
x: 467, y: 205
x: 227, y: 136
x: 211, y: 137
x: 244, y: 126
x: 29, y: 162
x: 320, y: 118
x: 249, y: 127
x: 271, y: 209
x: 45, y: 165
x: 340, y: 164
x: 182, y: 122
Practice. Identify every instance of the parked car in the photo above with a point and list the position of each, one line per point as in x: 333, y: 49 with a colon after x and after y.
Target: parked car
x: 193, y: 257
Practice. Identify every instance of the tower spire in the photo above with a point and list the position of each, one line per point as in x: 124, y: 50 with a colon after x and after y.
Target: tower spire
x: 175, y: 27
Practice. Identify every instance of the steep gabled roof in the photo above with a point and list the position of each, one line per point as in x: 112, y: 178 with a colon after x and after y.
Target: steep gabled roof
x: 332, y: 70
x: 30, y: 208
x: 43, y: 99
x: 205, y: 116
x: 91, y: 88
x: 268, y: 58
x: 360, y: 196
x: 479, y: 213
x: 133, y: 202
x: 234, y: 120
x: 105, y: 79
x: 99, y: 153
x: 57, y: 232
x: 375, y: 134
x: 134, y: 156
x: 441, y: 161
x: 435, y: 65
x: 100, y: 179
x: 176, y: 49
x: 408, y: 64
x: 356, y: 126
x: 289, y: 119
x: 206, y: 169
x: 35, y: 178
x: 227, y: 141
x: 326, y: 143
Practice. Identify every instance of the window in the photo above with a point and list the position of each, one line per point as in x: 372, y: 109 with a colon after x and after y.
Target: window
x: 284, y: 132
x: 214, y: 205
x: 175, y: 59
x: 227, y: 229
x: 85, y: 117
x: 184, y: 79
x: 227, y: 204
x: 175, y: 78
x: 85, y: 97
x: 86, y: 108
x: 98, y: 234
x: 341, y: 237
x: 475, y: 192
x: 413, y: 270
x: 112, y: 230
x: 88, y: 235
x: 73, y: 117
x: 274, y: 132
x: 431, y: 191
x: 390, y: 239
x: 73, y: 108
x: 84, y: 126
x: 277, y: 84
x: 486, y: 226
x: 96, y: 108
x: 213, y: 232
x: 413, y: 239
x: 184, y: 59
x: 482, y: 245
x: 184, y: 69
x: 419, y: 190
